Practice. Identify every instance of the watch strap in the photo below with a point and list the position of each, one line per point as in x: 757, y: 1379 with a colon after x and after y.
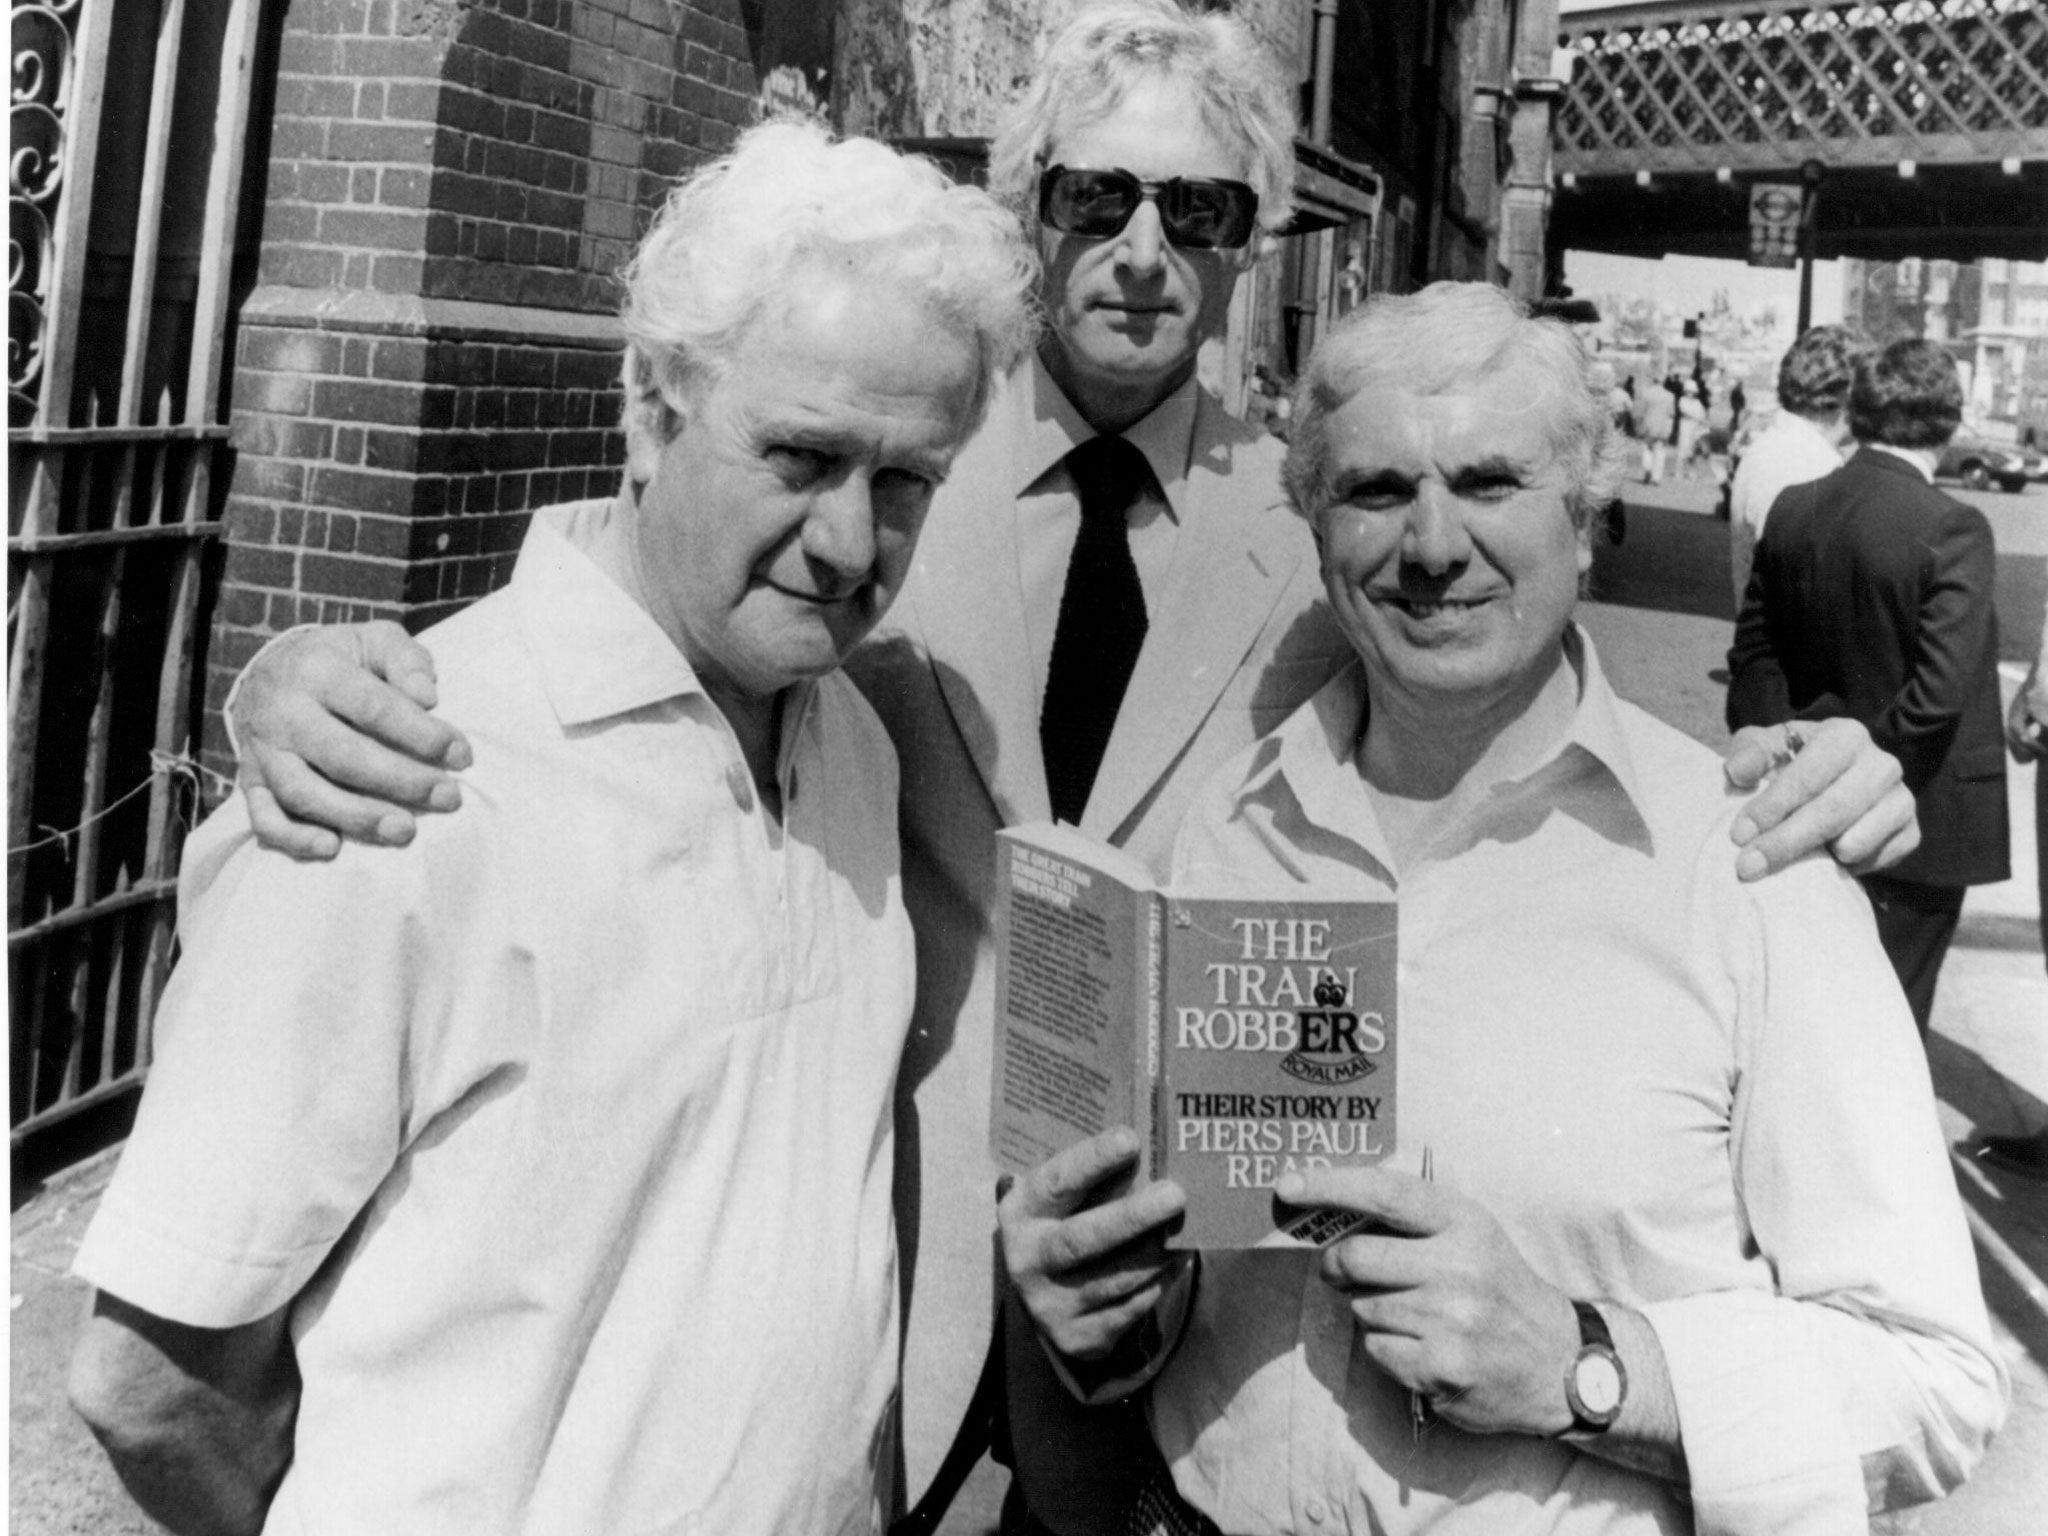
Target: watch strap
x: 1593, y: 1327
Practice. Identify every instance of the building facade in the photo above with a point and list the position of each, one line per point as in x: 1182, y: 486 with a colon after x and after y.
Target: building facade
x: 1992, y: 314
x: 428, y: 349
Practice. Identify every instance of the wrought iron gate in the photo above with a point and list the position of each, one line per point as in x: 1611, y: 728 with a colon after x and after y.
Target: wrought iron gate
x: 128, y: 124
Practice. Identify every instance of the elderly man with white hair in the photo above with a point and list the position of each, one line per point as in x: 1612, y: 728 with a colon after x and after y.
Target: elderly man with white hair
x: 537, y: 1176
x: 1691, y: 1258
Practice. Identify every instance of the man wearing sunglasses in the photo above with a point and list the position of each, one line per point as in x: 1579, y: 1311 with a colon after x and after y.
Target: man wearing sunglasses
x: 1148, y: 157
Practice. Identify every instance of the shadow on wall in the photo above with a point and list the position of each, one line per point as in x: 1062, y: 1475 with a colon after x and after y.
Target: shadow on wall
x: 873, y: 85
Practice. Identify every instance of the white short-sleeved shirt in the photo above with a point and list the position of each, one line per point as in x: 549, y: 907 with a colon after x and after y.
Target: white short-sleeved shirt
x: 566, y: 1131
x: 1697, y: 1097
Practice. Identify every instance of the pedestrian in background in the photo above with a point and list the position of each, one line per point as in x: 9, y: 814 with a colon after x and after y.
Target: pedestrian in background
x: 1803, y: 442
x: 1871, y: 597
x: 1621, y: 400
x: 1692, y: 427
x: 1655, y: 421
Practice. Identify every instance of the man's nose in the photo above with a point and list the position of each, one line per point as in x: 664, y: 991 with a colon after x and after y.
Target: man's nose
x: 1435, y: 538
x: 1142, y: 245
x: 839, y: 533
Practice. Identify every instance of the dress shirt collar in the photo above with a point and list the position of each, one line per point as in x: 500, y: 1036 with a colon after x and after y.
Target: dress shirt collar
x: 1921, y: 460
x: 597, y: 652
x: 1050, y: 428
x: 1311, y: 760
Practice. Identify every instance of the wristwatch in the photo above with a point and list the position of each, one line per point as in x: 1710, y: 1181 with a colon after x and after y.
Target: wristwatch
x: 1595, y: 1384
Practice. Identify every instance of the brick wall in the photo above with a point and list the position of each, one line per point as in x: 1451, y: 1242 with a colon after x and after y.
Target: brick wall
x: 431, y: 350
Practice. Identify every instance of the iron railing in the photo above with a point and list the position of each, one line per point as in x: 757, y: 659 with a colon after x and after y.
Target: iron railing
x: 128, y: 124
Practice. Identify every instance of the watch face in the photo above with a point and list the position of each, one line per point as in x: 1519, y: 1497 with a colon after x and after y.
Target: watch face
x: 1597, y: 1379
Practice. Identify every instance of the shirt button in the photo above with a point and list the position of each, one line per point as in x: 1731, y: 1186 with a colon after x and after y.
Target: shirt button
x: 741, y: 784
x: 1315, y: 1510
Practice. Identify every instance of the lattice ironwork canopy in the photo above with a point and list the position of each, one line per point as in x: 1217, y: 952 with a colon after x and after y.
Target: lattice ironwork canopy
x: 1927, y: 121
x: 1766, y: 84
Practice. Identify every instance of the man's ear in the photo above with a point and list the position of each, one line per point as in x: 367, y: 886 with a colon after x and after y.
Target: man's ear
x: 654, y: 415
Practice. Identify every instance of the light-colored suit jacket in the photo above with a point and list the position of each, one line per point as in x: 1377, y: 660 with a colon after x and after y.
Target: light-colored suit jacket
x: 1241, y: 638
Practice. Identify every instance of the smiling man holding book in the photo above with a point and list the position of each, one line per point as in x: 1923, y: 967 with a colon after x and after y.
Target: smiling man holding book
x: 1691, y: 1258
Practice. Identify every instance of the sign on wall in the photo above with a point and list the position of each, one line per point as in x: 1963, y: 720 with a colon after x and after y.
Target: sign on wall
x: 1774, y: 209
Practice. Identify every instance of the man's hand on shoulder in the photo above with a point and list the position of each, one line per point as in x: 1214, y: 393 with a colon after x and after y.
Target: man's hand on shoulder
x: 197, y: 1421
x: 1447, y: 1306
x: 1444, y: 1301
x: 1838, y: 790
x: 335, y: 738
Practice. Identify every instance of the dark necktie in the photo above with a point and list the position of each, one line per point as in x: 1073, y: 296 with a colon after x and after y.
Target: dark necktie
x: 1101, y: 624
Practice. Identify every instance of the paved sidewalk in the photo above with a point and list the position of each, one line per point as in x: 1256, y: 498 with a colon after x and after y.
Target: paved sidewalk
x: 58, y: 1482
x: 1990, y: 1060
x: 1989, y: 1054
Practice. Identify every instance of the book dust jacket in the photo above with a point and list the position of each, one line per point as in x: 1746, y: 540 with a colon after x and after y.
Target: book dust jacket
x: 1241, y: 1037
x: 1278, y: 1053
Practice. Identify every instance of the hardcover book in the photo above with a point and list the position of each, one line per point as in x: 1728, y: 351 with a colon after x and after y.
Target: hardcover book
x: 1240, y: 1037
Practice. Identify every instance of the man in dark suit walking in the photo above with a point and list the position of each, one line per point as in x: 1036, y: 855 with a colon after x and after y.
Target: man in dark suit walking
x: 1871, y: 597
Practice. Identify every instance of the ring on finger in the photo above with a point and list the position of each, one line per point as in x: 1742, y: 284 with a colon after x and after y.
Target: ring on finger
x: 1790, y: 747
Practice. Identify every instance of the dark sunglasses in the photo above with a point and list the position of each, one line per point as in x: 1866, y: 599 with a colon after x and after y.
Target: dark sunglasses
x: 1196, y: 213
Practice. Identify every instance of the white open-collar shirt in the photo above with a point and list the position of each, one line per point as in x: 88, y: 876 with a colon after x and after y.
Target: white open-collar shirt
x: 566, y: 1132
x: 1698, y: 1097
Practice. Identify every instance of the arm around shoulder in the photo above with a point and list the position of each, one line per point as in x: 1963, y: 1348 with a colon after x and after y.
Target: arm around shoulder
x: 197, y: 1421
x: 332, y: 735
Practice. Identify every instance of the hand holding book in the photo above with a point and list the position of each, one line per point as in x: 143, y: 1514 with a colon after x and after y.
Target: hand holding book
x: 1085, y: 1251
x: 1237, y: 1036
x: 1444, y: 1300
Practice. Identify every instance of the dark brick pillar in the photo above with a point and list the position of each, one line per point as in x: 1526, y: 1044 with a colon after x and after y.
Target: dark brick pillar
x: 432, y: 350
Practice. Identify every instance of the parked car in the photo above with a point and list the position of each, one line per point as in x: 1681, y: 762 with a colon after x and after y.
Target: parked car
x: 1979, y: 463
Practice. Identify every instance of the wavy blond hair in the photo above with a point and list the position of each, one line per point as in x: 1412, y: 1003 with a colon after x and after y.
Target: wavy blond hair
x: 1096, y: 58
